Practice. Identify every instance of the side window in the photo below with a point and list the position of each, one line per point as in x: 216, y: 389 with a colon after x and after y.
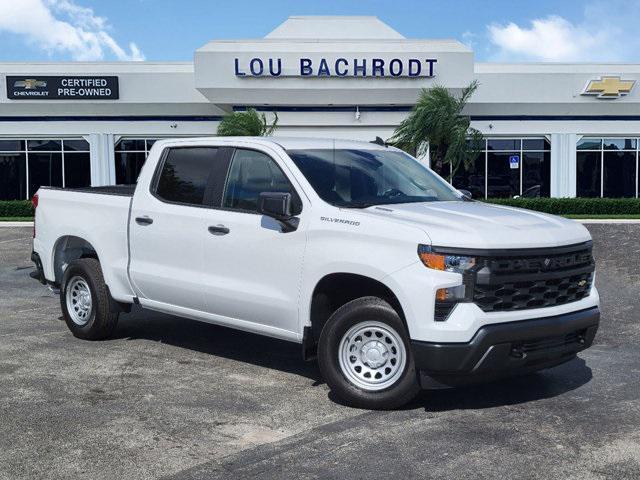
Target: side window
x: 252, y: 173
x: 185, y: 173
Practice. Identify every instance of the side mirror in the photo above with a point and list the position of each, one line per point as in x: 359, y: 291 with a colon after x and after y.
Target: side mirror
x: 277, y: 205
x: 465, y: 193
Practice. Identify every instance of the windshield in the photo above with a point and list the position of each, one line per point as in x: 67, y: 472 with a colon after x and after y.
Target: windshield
x: 362, y: 178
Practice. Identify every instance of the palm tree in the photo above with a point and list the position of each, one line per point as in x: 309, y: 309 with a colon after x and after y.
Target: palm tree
x: 249, y: 123
x: 436, y: 123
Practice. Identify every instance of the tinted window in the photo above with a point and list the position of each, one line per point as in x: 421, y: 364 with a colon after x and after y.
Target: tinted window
x: 252, y: 173
x: 502, y: 179
x: 471, y: 177
x: 128, y: 166
x: 619, y: 144
x: 619, y: 174
x: 131, y: 144
x: 536, y: 144
x: 11, y: 145
x: 590, y: 144
x: 76, y: 145
x: 503, y: 144
x: 588, y: 174
x: 45, y: 145
x: 355, y: 178
x: 45, y: 169
x: 13, y: 176
x: 536, y: 174
x: 77, y: 169
x: 185, y: 173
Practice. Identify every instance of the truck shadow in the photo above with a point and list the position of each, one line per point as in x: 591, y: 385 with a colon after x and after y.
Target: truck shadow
x: 541, y: 385
x: 287, y: 357
x: 217, y: 340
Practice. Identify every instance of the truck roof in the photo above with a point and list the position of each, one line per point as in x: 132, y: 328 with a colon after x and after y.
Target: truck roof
x: 292, y: 143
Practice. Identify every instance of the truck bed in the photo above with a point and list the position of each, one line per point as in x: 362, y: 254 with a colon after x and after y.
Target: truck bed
x: 122, y: 190
x: 97, y: 215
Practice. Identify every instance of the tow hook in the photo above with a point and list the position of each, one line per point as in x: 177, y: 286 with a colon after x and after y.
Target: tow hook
x: 518, y: 352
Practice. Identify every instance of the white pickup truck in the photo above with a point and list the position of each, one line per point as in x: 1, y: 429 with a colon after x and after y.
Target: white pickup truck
x: 374, y: 264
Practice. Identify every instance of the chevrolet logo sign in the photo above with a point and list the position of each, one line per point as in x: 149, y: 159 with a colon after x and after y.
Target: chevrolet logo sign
x: 30, y: 84
x: 609, y: 87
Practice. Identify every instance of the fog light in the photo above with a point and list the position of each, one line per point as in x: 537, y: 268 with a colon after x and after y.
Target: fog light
x: 450, y: 294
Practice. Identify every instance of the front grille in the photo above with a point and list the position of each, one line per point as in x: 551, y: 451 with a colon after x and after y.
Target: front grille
x: 534, y: 294
x: 533, y: 278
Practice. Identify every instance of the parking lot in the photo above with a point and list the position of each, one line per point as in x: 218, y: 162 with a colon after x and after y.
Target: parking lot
x: 174, y: 398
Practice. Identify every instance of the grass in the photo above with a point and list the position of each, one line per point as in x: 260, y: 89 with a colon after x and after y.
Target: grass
x: 575, y: 217
x: 604, y: 217
x: 16, y: 219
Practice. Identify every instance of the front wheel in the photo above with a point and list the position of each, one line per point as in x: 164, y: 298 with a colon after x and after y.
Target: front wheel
x: 364, y: 355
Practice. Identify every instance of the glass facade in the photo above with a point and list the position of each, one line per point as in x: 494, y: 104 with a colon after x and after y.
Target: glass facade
x: 130, y: 155
x: 607, y: 167
x: 506, y: 167
x: 28, y: 164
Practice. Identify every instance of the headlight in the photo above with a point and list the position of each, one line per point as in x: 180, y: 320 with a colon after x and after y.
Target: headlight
x: 444, y: 262
x: 446, y: 297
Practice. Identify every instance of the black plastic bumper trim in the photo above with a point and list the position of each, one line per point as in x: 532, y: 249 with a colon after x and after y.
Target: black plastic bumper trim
x: 39, y: 273
x: 490, y: 351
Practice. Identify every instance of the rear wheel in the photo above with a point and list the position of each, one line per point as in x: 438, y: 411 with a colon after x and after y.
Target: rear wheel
x: 85, y: 301
x: 364, y: 355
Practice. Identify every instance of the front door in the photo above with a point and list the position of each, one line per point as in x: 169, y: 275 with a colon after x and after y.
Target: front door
x: 252, y: 269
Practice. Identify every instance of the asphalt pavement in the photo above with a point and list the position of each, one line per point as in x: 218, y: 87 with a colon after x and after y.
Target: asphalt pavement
x: 174, y: 398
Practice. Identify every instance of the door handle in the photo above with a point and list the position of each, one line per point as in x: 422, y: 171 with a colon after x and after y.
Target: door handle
x: 218, y: 230
x: 144, y: 220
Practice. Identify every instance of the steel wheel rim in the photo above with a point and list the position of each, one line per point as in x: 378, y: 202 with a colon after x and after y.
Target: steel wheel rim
x: 372, y: 356
x: 79, y: 301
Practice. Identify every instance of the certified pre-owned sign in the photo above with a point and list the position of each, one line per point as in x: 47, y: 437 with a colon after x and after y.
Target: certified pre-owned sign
x: 62, y: 88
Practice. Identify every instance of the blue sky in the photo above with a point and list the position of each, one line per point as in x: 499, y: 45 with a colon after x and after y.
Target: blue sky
x: 160, y: 30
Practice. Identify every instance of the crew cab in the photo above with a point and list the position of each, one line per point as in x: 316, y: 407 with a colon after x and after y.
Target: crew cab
x: 380, y: 269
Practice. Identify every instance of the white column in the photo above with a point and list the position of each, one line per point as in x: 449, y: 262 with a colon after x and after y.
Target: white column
x: 103, y: 166
x: 563, y: 164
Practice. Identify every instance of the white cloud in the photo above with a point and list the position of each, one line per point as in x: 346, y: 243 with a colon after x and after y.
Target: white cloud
x: 62, y: 26
x: 555, y: 39
x: 470, y: 39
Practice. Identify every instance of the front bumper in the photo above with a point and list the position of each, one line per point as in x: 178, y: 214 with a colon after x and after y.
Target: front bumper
x: 508, y: 348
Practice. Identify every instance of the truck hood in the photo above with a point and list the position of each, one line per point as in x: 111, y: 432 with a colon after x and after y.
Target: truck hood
x: 482, y: 225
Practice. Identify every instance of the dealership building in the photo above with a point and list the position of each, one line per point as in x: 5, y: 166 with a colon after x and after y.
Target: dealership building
x: 560, y: 130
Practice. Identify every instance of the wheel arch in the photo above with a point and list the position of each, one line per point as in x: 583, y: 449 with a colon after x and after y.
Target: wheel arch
x: 68, y: 248
x: 336, y: 289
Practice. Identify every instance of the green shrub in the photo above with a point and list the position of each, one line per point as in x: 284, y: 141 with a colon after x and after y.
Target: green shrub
x: 575, y: 206
x: 557, y: 206
x: 16, y: 208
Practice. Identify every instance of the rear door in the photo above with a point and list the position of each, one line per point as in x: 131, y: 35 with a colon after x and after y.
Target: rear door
x: 168, y: 223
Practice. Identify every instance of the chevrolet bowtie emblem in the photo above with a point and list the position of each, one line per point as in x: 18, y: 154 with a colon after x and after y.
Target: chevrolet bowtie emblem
x: 609, y: 87
x: 30, y: 84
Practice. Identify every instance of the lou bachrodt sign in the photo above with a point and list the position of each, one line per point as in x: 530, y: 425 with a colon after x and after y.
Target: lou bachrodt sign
x: 62, y: 88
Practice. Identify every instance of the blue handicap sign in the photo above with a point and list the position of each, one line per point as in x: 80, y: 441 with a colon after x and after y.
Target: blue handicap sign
x: 514, y: 161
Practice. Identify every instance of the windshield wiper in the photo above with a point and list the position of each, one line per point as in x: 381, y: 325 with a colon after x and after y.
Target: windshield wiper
x: 357, y: 205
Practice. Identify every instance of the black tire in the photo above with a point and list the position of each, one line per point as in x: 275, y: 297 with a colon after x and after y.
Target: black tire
x: 101, y: 321
x: 405, y: 387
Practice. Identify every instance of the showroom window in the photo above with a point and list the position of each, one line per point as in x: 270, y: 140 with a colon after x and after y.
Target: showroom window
x: 607, y: 167
x: 28, y: 164
x: 130, y: 155
x: 506, y: 167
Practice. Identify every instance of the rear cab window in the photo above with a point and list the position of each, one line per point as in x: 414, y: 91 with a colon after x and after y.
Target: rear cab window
x: 189, y: 176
